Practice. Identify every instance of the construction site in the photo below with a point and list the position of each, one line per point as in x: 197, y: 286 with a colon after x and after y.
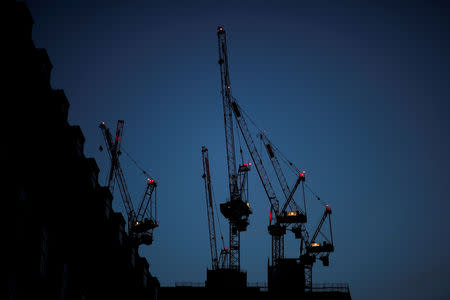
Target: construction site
x: 67, y: 242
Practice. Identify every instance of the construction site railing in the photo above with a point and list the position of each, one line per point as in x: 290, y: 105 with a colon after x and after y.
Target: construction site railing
x: 189, y: 283
x: 330, y: 287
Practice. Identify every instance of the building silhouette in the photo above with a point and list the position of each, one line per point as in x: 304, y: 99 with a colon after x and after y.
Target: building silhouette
x: 62, y: 238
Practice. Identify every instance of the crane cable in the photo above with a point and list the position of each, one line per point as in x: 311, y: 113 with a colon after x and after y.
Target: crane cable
x: 136, y: 164
x: 217, y: 217
x: 283, y: 157
x: 239, y: 142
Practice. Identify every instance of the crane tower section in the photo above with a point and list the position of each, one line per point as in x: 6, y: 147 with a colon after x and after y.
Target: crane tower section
x: 236, y: 210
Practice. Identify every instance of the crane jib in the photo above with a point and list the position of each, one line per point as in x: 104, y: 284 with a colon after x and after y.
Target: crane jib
x: 236, y: 109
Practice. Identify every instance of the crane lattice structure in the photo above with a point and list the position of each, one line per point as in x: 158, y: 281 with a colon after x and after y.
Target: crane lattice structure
x: 217, y: 262
x: 142, y: 223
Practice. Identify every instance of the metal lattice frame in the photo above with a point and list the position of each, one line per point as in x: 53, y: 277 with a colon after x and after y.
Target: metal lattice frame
x: 308, y: 278
x: 235, y: 245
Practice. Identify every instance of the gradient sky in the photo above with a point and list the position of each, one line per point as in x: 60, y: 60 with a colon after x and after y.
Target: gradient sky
x: 356, y: 94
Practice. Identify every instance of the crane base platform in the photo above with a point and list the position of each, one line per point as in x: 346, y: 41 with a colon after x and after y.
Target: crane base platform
x: 287, y: 277
x: 226, y: 279
x: 325, y: 247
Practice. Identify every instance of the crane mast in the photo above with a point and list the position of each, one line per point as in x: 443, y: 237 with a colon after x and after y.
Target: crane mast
x: 231, y: 107
x: 116, y: 170
x: 210, y: 209
x: 235, y: 210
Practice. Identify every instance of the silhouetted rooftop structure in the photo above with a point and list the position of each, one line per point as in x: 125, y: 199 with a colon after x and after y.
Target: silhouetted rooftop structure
x: 63, y: 240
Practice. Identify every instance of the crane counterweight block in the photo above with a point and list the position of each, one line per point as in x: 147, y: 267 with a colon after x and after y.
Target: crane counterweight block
x: 144, y: 225
x: 292, y: 217
x: 140, y: 227
x: 237, y: 212
x: 276, y: 229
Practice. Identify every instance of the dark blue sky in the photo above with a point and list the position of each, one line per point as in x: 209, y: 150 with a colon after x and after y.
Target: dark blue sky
x: 356, y: 94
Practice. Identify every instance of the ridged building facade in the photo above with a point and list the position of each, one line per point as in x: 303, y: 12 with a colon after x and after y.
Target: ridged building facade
x: 62, y: 238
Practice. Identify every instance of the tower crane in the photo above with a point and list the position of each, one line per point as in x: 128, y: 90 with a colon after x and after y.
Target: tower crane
x: 236, y: 209
x: 142, y: 223
x: 217, y: 262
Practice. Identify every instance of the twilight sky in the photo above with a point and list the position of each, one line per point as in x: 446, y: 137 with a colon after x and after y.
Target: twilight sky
x: 355, y: 93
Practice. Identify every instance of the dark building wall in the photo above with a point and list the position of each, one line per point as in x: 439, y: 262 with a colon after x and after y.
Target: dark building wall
x: 63, y: 240
x: 204, y: 293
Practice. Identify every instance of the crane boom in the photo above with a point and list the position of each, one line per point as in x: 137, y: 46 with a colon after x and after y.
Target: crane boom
x: 210, y: 209
x: 231, y: 107
x: 282, y: 179
x: 140, y: 227
x: 300, y: 178
x: 276, y: 230
x: 116, y: 170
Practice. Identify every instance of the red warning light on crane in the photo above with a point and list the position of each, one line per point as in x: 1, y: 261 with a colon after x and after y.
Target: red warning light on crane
x: 220, y: 28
